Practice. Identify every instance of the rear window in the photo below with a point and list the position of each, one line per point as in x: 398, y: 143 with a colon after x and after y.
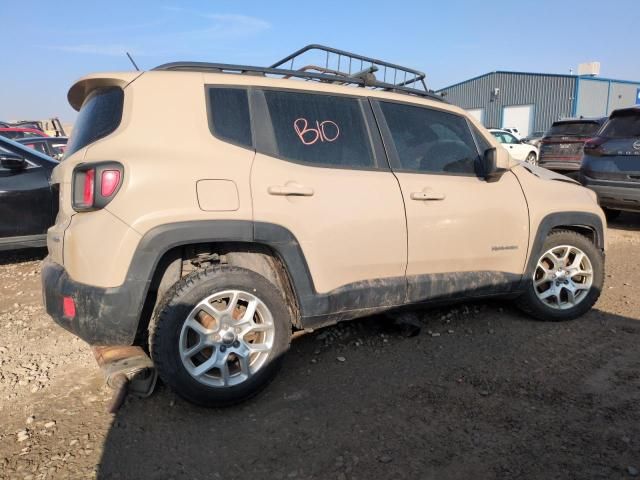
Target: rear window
x: 321, y: 130
x: 99, y: 116
x: 230, y: 119
x: 623, y: 126
x: 574, y: 129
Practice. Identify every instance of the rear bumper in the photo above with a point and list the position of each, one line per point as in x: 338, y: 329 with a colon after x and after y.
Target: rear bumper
x: 104, y: 316
x: 611, y: 194
x: 559, y: 165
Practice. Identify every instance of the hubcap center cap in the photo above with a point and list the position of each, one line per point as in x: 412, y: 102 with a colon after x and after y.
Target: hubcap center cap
x: 228, y: 337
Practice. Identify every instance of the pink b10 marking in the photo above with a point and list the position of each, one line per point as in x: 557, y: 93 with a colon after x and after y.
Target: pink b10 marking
x: 327, y: 131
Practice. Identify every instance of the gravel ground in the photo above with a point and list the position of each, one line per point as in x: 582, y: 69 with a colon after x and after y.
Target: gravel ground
x: 481, y: 392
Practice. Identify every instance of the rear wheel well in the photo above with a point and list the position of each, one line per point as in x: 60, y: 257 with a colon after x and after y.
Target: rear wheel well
x: 185, y: 259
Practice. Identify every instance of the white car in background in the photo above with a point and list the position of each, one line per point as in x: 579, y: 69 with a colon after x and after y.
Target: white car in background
x: 513, y: 130
x: 519, y: 149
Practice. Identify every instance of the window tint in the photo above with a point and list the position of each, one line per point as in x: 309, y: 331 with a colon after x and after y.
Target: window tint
x: 430, y: 140
x: 99, y: 116
x: 481, y: 141
x: 578, y: 129
x: 622, y: 126
x: 319, y: 129
x: 230, y: 118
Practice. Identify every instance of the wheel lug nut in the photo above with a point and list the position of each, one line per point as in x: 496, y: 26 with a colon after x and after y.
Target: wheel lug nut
x: 223, y: 348
x: 236, y: 344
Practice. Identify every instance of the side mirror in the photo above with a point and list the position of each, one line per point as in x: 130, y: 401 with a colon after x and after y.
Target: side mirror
x: 490, y: 168
x: 11, y: 161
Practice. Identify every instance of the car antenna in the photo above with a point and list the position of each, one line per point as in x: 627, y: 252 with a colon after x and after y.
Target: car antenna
x: 132, y: 61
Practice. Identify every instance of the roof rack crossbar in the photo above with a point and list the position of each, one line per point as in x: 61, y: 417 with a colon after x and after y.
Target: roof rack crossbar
x: 364, y: 77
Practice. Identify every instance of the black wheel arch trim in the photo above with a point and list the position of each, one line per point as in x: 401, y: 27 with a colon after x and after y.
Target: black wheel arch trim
x: 559, y: 220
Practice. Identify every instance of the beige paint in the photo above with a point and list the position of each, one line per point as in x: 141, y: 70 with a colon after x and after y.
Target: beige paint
x: 217, y: 195
x: 458, y: 232
x: 350, y: 228
x: 353, y: 226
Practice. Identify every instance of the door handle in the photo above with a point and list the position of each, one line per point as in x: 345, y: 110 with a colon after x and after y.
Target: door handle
x: 429, y: 195
x: 290, y: 190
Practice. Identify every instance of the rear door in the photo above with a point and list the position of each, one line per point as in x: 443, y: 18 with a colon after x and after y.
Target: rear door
x: 25, y: 201
x: 319, y: 173
x: 465, y: 235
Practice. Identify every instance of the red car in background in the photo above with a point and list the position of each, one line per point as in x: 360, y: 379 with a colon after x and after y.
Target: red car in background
x: 14, y: 133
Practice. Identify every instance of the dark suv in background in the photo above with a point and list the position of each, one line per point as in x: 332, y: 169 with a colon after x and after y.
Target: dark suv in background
x: 611, y: 163
x: 561, y: 147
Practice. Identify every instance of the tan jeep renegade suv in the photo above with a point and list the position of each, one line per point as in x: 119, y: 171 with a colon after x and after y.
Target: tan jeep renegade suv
x: 208, y: 211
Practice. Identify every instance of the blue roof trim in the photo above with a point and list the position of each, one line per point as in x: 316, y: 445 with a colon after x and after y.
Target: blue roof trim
x: 563, y: 75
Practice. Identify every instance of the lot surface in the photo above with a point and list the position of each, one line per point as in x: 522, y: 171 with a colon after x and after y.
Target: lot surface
x: 482, y: 392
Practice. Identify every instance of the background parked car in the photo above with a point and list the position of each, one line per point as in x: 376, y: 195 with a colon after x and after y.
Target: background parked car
x: 611, y: 163
x: 28, y: 203
x: 51, y: 146
x: 561, y: 147
x: 535, y: 138
x: 519, y: 149
x: 514, y: 131
x: 19, y: 132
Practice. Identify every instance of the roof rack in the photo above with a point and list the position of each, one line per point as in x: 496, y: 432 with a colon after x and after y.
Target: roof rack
x: 360, y: 71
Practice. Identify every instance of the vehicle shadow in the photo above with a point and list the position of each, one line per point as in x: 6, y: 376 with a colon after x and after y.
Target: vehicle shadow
x: 481, y: 392
x: 626, y: 221
x: 21, y: 256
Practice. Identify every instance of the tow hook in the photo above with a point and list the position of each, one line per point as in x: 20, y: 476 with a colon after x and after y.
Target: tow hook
x: 127, y: 369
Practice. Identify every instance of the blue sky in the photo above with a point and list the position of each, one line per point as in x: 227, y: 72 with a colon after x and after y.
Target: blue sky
x: 47, y: 45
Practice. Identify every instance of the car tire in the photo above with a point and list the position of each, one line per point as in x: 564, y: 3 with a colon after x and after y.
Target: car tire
x: 532, y: 158
x: 611, y: 214
x: 239, y: 321
x: 547, y: 290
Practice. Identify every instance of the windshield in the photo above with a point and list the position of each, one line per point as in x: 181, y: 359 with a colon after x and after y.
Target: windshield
x: 623, y: 126
x: 24, y: 151
x: 574, y: 129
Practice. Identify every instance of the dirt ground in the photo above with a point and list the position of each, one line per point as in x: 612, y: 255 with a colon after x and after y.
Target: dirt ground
x: 482, y: 392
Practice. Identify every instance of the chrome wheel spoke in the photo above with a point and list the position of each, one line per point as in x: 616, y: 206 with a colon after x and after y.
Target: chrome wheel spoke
x: 236, y: 349
x: 567, y: 263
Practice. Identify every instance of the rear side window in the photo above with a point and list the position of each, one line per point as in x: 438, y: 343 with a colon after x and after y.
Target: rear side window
x: 623, y: 126
x: 99, y: 116
x: 431, y: 141
x: 230, y: 120
x: 320, y: 130
x: 576, y: 129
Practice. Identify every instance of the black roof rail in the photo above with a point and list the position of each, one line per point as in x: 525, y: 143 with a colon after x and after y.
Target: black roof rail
x: 360, y: 71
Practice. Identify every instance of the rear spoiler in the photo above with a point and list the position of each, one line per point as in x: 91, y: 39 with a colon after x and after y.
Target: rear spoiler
x: 83, y: 87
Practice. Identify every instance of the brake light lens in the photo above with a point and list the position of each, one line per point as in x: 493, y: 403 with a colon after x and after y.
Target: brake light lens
x: 594, y: 143
x: 109, y: 182
x: 95, y: 185
x: 89, y: 187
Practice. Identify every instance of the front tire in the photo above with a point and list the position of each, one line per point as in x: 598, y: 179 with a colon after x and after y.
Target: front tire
x: 219, y: 336
x: 567, y: 279
x: 532, y: 158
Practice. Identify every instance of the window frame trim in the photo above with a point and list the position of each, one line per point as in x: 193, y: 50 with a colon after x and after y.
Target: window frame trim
x: 266, y: 134
x: 390, y: 146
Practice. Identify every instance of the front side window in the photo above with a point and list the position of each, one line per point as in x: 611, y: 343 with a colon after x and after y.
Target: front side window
x: 429, y: 140
x: 230, y: 119
x: 320, y: 130
x: 99, y: 116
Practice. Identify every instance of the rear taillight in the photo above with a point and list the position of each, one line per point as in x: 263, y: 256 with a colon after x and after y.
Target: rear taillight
x: 95, y: 185
x: 594, y: 143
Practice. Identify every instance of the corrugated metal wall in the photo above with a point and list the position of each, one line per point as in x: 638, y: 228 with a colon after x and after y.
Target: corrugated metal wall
x: 592, y: 98
x: 551, y: 95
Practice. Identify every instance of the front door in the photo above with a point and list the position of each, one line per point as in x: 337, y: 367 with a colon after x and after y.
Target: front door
x: 465, y: 235
x: 323, y: 182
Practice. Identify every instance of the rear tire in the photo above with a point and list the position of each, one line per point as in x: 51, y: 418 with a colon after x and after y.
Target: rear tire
x: 611, y: 214
x: 567, y: 279
x: 219, y: 335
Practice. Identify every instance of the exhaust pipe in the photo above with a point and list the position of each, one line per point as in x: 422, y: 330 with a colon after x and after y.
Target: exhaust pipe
x: 127, y: 369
